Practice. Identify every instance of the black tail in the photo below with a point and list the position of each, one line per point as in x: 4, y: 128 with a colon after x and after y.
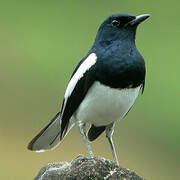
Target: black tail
x: 94, y: 132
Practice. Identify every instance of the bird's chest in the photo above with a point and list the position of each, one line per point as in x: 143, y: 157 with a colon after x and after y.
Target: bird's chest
x: 121, y: 71
x: 104, y: 105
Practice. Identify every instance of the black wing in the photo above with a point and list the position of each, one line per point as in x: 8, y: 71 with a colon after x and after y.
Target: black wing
x: 80, y: 90
x: 143, y: 86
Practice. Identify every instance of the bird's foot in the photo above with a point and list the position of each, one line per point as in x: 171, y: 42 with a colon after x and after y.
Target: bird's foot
x: 81, y: 156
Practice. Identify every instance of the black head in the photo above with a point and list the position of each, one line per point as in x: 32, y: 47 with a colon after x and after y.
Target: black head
x: 119, y: 27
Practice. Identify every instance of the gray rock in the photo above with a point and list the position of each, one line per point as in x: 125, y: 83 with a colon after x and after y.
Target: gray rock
x: 86, y: 169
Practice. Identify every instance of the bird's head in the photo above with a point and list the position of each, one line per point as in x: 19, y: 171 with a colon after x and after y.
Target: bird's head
x: 119, y: 27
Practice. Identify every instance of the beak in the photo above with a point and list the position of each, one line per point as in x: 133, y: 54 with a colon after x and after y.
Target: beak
x: 139, y: 19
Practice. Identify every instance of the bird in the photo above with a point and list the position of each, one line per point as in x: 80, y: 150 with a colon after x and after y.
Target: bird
x: 102, y: 88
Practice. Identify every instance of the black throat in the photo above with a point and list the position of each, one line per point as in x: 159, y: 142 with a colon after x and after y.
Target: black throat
x: 119, y: 64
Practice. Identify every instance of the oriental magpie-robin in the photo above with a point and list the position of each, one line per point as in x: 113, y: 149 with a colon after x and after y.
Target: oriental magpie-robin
x: 102, y: 88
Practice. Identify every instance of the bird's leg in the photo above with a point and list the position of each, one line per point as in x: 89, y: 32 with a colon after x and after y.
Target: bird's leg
x: 83, y: 134
x: 109, y: 133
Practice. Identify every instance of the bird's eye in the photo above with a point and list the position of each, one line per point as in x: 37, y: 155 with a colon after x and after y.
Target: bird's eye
x: 115, y: 23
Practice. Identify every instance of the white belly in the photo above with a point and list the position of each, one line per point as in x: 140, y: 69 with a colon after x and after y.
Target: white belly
x: 104, y: 105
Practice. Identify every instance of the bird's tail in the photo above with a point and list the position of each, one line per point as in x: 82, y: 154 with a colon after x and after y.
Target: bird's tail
x: 49, y: 137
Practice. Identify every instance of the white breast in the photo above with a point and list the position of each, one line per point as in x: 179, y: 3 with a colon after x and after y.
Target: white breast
x: 104, y: 105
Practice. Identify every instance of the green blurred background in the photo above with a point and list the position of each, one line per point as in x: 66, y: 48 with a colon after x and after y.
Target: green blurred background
x: 40, y: 44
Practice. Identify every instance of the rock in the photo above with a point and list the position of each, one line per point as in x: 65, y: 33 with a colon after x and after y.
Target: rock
x: 86, y: 169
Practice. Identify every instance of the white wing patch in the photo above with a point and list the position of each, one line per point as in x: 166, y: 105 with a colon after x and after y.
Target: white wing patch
x: 85, y: 66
